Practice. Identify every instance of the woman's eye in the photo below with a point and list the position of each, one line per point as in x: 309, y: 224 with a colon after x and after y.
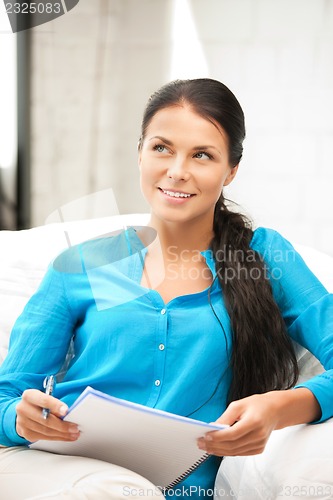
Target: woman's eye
x: 159, y: 148
x: 203, y: 156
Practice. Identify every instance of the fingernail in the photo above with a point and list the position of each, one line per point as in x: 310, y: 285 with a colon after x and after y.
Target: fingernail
x: 63, y: 410
x: 201, y: 444
x: 73, y: 429
x: 208, y: 437
x: 74, y: 437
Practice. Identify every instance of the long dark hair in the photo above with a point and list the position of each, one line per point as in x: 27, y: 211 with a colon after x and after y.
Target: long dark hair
x: 262, y: 357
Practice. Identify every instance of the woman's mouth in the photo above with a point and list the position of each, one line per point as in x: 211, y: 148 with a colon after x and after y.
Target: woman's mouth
x: 176, y: 194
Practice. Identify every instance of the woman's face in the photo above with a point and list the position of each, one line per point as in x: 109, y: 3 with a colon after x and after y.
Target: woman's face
x: 184, y: 165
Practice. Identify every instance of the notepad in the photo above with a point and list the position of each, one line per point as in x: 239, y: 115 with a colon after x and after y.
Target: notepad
x: 158, y: 445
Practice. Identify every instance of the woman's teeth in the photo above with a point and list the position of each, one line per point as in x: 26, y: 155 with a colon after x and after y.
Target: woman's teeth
x: 176, y: 194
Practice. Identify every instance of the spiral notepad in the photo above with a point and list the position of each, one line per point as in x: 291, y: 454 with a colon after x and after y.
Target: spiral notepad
x: 158, y: 445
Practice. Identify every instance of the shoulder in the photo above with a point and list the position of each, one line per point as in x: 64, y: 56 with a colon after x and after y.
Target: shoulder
x: 97, y: 252
x: 266, y: 240
x: 286, y: 265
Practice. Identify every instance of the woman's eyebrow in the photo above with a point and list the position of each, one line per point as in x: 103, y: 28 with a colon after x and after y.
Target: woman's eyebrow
x: 163, y: 139
x: 169, y: 143
x: 198, y: 148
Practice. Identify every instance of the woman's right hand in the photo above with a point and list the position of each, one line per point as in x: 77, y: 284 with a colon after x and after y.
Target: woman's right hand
x: 31, y: 425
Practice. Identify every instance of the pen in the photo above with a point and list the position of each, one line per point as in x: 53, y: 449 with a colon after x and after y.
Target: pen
x: 48, y: 384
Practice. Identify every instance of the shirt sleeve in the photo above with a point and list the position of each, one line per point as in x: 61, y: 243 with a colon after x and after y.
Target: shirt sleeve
x: 307, y: 308
x: 38, y: 345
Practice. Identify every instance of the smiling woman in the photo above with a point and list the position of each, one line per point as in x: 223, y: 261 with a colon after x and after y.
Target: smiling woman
x: 208, y: 332
x: 184, y: 163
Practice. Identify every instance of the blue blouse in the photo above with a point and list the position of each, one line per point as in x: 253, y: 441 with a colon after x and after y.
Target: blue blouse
x: 130, y: 344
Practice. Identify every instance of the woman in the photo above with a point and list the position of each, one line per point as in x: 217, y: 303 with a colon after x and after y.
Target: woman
x: 219, y: 301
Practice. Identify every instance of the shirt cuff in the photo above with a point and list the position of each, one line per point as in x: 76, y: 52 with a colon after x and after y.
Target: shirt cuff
x: 9, y: 425
x: 321, y: 387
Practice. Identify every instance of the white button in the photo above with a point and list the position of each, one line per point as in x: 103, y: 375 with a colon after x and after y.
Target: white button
x: 161, y: 347
x: 163, y: 311
x: 157, y: 383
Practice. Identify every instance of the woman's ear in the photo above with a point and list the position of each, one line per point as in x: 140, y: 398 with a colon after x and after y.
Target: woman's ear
x: 231, y: 175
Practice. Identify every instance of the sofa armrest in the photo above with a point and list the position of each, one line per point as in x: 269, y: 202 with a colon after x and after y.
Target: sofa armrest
x: 297, y: 462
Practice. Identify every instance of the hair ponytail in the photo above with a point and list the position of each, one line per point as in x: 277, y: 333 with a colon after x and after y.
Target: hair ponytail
x: 263, y: 357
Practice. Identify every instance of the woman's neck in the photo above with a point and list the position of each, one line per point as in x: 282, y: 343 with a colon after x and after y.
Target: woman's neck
x: 182, y: 236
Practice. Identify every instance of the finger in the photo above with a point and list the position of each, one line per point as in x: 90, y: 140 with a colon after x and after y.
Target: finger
x: 34, y: 435
x: 239, y: 430
x: 49, y: 431
x: 254, y: 449
x: 31, y: 413
x: 42, y: 400
x: 33, y: 429
x: 232, y: 414
x: 31, y: 425
x: 246, y: 421
x: 247, y: 449
x: 245, y: 445
x: 244, y: 452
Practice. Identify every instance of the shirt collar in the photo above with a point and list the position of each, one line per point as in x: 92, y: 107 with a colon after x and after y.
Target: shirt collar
x: 209, y: 258
x: 136, y: 245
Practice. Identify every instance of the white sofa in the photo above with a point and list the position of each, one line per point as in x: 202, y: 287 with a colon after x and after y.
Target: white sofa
x: 297, y: 462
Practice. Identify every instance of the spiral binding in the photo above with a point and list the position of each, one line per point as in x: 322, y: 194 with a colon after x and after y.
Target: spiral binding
x: 189, y: 471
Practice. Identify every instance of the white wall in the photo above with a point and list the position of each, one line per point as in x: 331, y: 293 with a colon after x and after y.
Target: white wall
x: 94, y: 69
x: 277, y: 57
x: 8, y: 130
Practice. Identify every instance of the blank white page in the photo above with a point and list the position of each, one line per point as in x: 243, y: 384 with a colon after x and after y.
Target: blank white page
x: 158, y: 445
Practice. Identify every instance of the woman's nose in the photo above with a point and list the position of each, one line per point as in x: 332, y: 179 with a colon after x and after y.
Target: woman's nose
x: 179, y: 170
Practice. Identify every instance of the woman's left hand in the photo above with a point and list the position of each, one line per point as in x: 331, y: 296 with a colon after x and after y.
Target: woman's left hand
x: 252, y: 420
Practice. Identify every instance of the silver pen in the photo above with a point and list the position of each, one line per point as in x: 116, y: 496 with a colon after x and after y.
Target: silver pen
x: 48, y: 384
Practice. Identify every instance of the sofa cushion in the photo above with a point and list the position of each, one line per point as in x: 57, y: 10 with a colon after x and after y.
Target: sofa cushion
x: 25, y: 256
